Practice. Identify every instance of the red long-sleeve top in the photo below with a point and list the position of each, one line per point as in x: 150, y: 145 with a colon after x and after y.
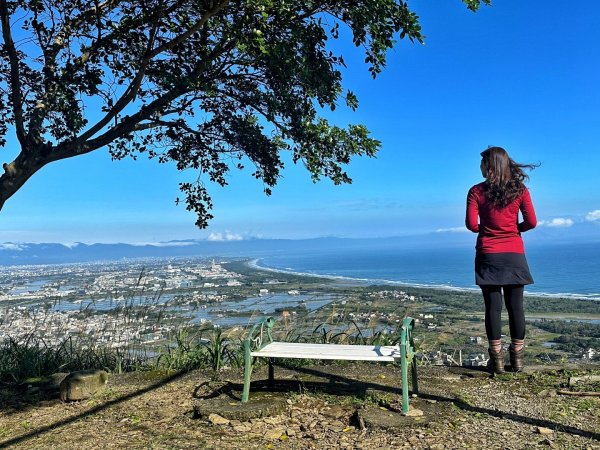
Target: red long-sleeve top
x: 499, y: 228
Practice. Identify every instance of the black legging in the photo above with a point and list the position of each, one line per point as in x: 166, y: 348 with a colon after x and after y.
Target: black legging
x: 513, y: 297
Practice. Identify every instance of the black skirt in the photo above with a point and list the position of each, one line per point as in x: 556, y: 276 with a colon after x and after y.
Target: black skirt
x: 501, y: 269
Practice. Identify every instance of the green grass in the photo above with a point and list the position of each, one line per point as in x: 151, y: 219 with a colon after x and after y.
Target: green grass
x: 32, y: 358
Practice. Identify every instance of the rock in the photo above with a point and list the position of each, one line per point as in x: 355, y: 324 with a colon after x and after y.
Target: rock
x: 242, y: 428
x: 414, y: 412
x: 55, y: 379
x: 336, y: 426
x: 82, y: 385
x: 216, y: 419
x: 334, y: 412
x: 273, y: 420
x: 274, y: 434
x: 376, y: 418
x: 543, y: 430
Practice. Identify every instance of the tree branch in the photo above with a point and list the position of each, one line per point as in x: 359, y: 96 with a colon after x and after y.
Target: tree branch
x: 134, y: 87
x: 127, y: 96
x: 182, y: 37
x: 39, y: 112
x: 74, y: 22
x: 15, y: 82
x: 127, y: 125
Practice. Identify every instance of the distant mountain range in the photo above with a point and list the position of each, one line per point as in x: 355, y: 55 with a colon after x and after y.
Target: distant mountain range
x: 54, y: 253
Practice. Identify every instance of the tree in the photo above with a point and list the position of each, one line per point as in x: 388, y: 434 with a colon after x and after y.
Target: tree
x: 208, y: 84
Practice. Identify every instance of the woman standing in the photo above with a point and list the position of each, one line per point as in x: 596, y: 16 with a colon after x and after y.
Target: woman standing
x: 500, y: 264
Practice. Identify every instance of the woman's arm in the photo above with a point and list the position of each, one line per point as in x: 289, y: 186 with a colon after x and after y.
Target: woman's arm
x: 526, y: 207
x: 472, y: 216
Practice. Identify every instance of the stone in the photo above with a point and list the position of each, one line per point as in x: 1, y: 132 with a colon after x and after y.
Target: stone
x: 274, y: 434
x: 376, y: 418
x: 82, y: 385
x: 273, y: 420
x: 55, y: 379
x: 336, y: 426
x: 543, y: 430
x: 216, y: 419
x: 414, y: 412
x: 334, y: 412
x: 242, y: 428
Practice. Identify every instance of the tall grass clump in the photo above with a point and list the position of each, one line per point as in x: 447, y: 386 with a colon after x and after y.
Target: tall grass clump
x: 205, y: 349
x: 32, y: 357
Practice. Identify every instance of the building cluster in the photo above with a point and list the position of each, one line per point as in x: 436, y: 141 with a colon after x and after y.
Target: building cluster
x: 376, y: 316
x: 54, y: 302
x: 106, y: 330
x: 114, y: 280
x: 394, y: 294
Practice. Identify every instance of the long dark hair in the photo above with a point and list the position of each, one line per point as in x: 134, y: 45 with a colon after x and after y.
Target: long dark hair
x: 505, y: 179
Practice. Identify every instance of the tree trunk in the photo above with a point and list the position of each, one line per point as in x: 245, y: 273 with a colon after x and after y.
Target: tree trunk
x: 16, y: 173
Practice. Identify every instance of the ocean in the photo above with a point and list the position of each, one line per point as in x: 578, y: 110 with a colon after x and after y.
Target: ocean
x: 558, y: 269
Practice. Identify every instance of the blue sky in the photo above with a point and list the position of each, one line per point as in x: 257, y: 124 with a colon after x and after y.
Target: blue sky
x: 522, y: 75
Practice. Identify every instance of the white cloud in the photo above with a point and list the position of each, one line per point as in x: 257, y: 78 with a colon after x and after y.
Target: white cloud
x: 593, y: 216
x: 71, y: 245
x: 11, y: 246
x: 452, y: 230
x: 557, y: 222
x: 226, y: 236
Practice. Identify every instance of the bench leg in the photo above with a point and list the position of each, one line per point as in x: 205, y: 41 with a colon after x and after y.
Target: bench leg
x: 271, y: 372
x: 247, y: 373
x: 404, y: 368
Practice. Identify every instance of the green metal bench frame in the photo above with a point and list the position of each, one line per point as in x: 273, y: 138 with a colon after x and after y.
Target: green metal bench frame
x: 261, y: 335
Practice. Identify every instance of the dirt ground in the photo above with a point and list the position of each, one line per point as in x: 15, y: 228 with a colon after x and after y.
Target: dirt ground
x: 331, y: 406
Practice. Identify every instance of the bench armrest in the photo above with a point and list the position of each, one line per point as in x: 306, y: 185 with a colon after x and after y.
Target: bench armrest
x: 260, y: 334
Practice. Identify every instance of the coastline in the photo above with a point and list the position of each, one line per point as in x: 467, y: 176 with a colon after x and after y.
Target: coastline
x: 255, y: 264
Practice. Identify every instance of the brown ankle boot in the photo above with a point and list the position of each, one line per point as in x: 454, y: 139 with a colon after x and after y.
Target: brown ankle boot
x: 496, y: 361
x: 516, y: 359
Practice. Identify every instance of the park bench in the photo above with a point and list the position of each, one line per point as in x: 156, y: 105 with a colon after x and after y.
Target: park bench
x: 259, y: 344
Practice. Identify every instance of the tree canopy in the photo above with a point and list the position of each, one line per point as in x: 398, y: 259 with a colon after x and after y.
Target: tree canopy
x: 208, y: 84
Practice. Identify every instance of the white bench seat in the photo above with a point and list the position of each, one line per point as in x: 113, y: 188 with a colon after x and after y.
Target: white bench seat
x: 259, y: 343
x: 329, y: 351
